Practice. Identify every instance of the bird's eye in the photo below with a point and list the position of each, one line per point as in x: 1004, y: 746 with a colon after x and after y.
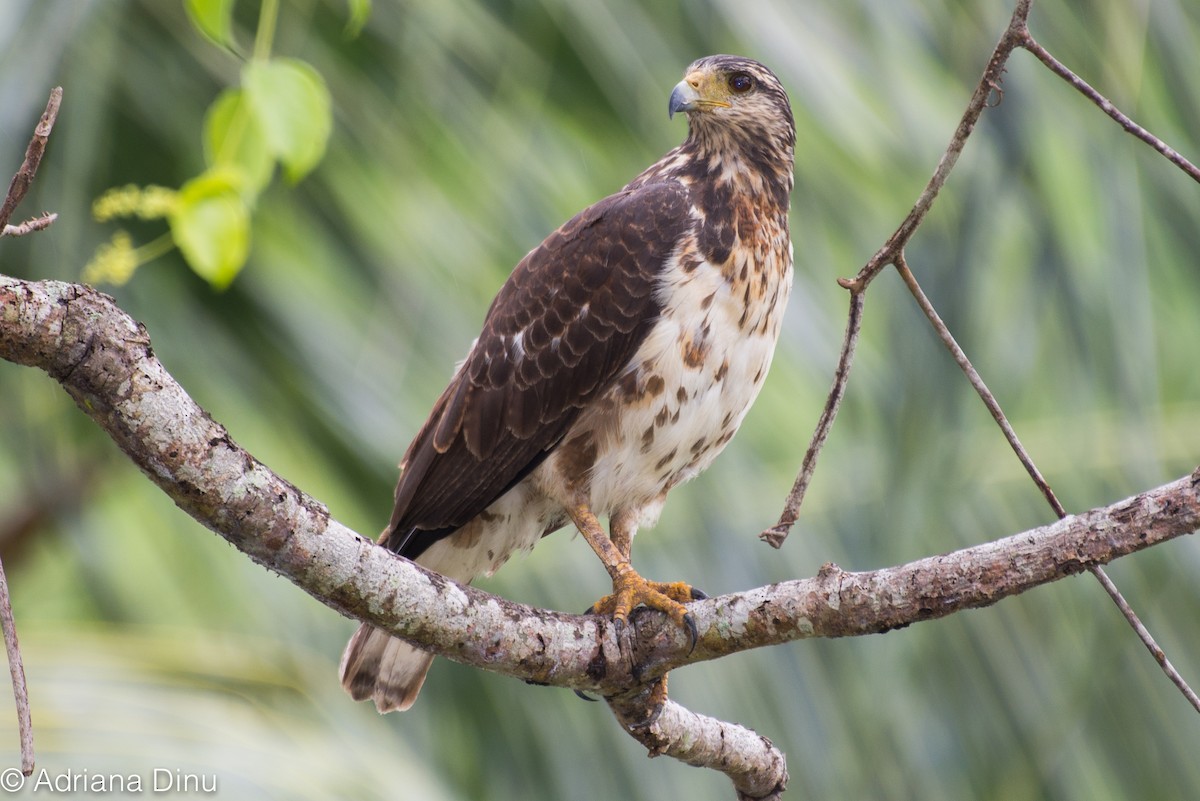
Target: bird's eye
x: 740, y: 83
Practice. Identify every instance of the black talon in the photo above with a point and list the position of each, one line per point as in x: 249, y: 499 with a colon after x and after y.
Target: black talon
x: 693, y: 633
x: 698, y: 595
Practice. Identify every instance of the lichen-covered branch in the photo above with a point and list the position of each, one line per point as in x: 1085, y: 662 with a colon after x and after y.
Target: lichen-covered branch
x: 103, y: 359
x: 757, y: 768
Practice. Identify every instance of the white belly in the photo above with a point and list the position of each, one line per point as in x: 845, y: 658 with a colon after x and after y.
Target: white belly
x: 663, y: 421
x: 691, y: 384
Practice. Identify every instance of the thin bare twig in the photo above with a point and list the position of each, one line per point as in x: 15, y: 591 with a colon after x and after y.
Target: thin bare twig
x: 993, y: 406
x: 16, y: 669
x: 23, y: 178
x: 1159, y: 655
x: 1025, y: 40
x: 1104, y: 104
x: 30, y: 226
x: 985, y: 394
x: 1129, y: 126
x: 776, y: 534
x: 17, y: 188
x: 987, y: 88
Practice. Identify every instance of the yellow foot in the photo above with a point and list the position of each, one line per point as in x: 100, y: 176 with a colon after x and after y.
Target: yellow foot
x: 631, y: 590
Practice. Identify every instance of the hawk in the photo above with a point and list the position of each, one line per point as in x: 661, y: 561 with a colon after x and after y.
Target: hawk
x: 616, y: 362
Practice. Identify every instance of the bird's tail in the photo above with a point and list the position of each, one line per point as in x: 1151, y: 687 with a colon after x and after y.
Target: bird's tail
x: 388, y: 670
x: 384, y: 668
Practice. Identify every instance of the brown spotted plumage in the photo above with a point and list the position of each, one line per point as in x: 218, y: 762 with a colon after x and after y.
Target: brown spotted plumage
x: 616, y: 362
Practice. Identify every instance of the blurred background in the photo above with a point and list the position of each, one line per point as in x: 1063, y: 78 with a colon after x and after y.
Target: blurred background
x: 1062, y: 254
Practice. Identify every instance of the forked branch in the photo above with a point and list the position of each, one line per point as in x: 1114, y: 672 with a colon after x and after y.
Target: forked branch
x: 1017, y: 35
x: 987, y: 88
x: 25, y: 174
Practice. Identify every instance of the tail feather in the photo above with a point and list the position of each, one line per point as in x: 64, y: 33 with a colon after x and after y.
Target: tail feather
x: 383, y: 668
x: 388, y: 670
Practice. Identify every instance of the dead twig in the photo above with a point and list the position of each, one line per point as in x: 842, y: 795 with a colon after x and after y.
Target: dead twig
x: 1016, y: 35
x: 17, y: 188
x: 1143, y: 633
x: 988, y: 86
x: 30, y: 226
x: 993, y: 406
x: 1027, y: 42
x: 16, y: 669
x: 776, y: 534
x: 985, y: 394
x: 24, y: 176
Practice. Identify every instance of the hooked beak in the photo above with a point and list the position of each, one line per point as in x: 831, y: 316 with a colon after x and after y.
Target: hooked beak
x: 684, y: 97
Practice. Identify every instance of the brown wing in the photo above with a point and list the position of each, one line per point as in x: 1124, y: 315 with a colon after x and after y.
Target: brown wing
x: 569, y: 318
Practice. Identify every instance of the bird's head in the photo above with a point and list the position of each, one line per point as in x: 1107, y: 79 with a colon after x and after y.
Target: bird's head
x: 732, y: 92
x: 737, y: 108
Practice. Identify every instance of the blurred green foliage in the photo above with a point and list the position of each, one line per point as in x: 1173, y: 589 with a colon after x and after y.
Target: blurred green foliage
x: 1062, y: 254
x: 281, y: 113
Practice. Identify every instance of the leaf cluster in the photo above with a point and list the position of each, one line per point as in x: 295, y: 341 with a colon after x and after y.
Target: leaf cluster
x: 278, y: 115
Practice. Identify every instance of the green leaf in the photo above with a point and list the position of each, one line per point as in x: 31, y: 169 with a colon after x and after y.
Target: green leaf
x: 234, y: 138
x: 292, y: 105
x: 213, y: 18
x: 360, y: 10
x: 211, y: 226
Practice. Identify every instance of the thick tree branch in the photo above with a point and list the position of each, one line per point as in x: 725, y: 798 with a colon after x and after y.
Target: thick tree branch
x: 757, y: 768
x: 103, y: 359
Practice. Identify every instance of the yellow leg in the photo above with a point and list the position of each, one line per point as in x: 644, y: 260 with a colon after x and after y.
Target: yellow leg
x: 621, y: 529
x: 630, y: 589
